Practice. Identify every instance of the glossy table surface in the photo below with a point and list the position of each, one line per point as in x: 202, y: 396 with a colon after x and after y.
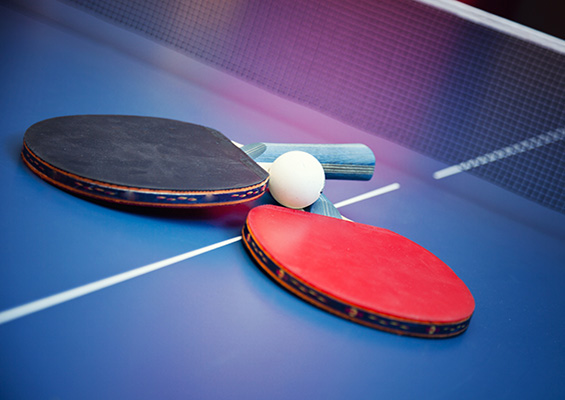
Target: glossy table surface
x: 214, y: 326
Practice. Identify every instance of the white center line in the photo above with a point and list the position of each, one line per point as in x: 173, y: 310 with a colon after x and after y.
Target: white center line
x: 53, y: 300
x: 368, y: 195
x: 508, y: 151
x: 71, y: 294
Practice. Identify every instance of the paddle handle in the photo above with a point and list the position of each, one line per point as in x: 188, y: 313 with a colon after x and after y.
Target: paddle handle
x: 350, y: 161
x: 323, y: 206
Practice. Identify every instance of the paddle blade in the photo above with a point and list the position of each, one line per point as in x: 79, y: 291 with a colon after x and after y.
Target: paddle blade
x: 143, y: 161
x: 368, y: 275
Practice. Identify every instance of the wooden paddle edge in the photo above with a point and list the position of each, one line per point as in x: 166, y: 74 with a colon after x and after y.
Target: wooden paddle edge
x: 134, y: 196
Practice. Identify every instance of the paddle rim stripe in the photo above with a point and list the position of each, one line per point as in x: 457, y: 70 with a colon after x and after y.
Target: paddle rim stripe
x: 344, y: 166
x: 335, y: 171
x: 137, y: 196
x: 345, y: 310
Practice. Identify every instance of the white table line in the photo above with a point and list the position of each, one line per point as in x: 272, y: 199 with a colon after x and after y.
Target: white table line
x: 368, y: 195
x: 508, y: 151
x: 71, y: 294
x: 50, y: 301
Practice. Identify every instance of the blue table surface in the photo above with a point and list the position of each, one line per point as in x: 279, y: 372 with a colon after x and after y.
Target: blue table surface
x: 214, y: 326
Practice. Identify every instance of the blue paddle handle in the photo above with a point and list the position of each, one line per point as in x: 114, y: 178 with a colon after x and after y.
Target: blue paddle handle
x: 323, y: 206
x: 340, y: 161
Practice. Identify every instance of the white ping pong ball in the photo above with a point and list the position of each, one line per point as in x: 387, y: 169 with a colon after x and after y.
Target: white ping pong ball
x: 296, y: 179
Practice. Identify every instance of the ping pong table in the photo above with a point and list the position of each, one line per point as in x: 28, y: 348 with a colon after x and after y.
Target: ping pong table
x: 211, y: 325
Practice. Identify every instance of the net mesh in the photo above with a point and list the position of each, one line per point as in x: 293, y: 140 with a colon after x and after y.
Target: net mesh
x: 416, y: 75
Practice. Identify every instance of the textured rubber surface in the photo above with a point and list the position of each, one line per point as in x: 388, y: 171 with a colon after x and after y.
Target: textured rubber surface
x: 369, y: 275
x: 141, y: 160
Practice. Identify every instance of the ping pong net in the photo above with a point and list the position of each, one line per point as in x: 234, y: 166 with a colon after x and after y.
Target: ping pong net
x: 445, y: 80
